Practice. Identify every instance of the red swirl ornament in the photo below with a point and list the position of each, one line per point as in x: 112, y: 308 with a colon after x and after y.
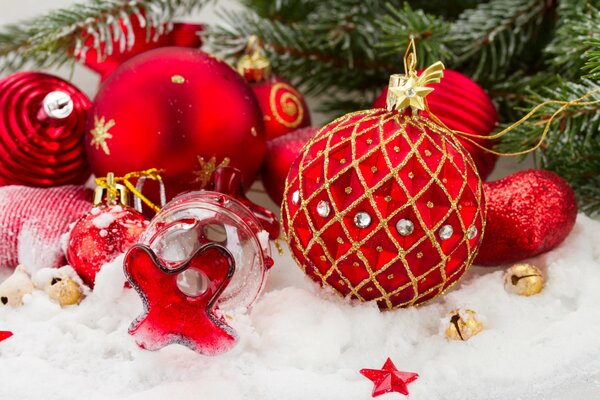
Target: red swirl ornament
x: 41, y: 131
x: 283, y: 107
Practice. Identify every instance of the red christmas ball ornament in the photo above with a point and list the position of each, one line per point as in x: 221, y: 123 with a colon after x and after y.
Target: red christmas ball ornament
x: 32, y: 221
x: 281, y: 153
x: 106, y: 231
x: 129, y: 40
x: 385, y: 206
x: 171, y: 109
x: 283, y: 106
x: 529, y: 213
x: 462, y: 105
x: 41, y: 132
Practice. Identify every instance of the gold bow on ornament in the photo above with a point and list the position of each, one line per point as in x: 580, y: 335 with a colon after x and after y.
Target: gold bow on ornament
x: 409, y: 90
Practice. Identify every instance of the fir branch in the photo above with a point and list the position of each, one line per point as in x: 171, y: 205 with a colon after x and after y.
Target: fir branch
x: 429, y: 32
x: 489, y: 39
x: 572, y: 146
x: 576, y: 37
x: 284, y: 11
x: 54, y: 38
x: 334, y: 48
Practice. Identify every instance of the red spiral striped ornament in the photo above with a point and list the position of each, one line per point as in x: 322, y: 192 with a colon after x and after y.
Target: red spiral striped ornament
x: 41, y: 131
x: 32, y: 221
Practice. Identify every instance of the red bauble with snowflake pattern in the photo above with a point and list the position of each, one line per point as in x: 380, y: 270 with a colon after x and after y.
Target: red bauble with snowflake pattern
x: 384, y: 206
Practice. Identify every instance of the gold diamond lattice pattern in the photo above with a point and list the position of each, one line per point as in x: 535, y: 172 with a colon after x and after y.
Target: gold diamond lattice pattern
x: 384, y: 206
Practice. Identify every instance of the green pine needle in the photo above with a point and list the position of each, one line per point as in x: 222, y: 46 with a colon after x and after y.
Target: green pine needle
x: 54, y: 38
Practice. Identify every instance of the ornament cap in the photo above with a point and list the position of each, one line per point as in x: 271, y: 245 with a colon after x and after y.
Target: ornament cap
x: 254, y: 65
x: 57, y: 105
x: 111, y: 193
x: 410, y: 89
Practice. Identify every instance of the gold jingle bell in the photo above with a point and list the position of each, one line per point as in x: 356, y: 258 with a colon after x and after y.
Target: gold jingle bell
x: 463, y: 325
x: 64, y: 290
x: 523, y: 279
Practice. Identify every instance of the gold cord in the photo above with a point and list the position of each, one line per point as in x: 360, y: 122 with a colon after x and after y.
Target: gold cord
x: 151, y: 173
x: 410, y: 62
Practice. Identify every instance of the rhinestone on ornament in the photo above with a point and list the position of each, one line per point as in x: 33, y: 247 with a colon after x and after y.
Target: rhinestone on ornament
x: 405, y: 227
x: 362, y: 219
x: 323, y: 208
x: 446, y: 232
x: 296, y: 198
x: 410, y: 92
x: 472, y: 232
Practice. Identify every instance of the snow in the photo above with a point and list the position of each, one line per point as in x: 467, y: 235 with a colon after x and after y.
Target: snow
x: 302, y: 342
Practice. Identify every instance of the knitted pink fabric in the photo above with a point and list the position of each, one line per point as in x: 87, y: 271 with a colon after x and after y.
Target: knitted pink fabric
x: 32, y: 221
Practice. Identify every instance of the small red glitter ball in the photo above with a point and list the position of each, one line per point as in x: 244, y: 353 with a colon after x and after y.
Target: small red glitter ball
x: 100, y: 236
x: 529, y: 213
x: 463, y: 105
x: 384, y: 206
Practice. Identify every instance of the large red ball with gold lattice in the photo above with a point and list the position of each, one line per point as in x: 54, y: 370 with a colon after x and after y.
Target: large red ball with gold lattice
x: 384, y: 206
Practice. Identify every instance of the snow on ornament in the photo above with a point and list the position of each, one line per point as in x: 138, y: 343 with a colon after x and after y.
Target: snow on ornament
x: 109, y: 229
x: 204, y: 254
x: 385, y: 205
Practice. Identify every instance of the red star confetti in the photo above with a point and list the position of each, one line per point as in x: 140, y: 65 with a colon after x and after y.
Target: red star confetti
x: 389, y: 379
x: 5, y: 335
x: 172, y: 315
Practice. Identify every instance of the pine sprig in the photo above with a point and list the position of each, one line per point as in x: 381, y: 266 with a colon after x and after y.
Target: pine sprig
x: 577, y: 36
x: 572, y: 147
x: 429, y: 32
x: 489, y: 39
x: 53, y: 39
x: 332, y: 49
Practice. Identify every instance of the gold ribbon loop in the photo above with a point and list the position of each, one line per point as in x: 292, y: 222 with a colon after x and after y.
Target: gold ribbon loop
x: 111, y: 186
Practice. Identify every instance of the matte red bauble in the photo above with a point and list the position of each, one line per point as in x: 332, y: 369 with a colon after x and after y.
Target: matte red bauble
x: 529, y: 213
x: 179, y: 110
x: 99, y: 237
x: 463, y: 105
x: 32, y: 221
x: 41, y: 131
x: 384, y: 206
x: 133, y: 39
x: 281, y: 153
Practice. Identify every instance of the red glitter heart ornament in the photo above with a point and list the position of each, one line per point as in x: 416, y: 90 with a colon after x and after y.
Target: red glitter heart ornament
x: 528, y: 213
